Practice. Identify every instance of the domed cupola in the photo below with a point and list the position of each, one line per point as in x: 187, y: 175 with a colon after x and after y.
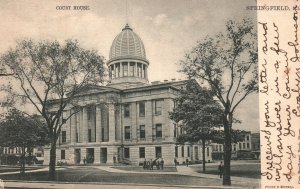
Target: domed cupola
x: 127, y: 58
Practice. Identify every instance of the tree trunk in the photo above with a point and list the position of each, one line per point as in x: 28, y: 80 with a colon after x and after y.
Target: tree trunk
x: 203, y: 155
x: 52, y: 162
x: 22, y: 161
x: 227, y: 121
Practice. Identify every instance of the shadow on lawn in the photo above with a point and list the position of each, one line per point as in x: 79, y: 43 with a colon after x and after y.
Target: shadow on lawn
x: 247, y: 171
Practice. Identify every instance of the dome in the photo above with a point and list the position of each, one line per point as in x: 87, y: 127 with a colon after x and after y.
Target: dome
x: 127, y: 45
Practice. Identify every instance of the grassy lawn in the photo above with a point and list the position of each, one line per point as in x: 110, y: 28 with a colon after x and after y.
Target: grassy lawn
x: 89, y: 174
x: 140, y: 169
x: 248, y: 170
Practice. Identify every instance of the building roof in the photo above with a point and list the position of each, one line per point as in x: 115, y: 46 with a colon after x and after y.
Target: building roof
x: 127, y: 45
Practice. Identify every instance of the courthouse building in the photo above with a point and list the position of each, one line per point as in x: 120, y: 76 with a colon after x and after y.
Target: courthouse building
x: 127, y: 120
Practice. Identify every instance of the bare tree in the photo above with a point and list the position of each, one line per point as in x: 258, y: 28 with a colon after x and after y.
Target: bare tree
x: 47, y: 72
x: 228, y: 63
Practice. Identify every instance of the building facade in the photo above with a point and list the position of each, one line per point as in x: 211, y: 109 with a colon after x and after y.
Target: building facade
x: 126, y: 121
x: 249, y: 148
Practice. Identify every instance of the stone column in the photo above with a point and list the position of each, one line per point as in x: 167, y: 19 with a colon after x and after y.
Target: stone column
x: 114, y: 70
x: 98, y: 125
x: 146, y: 72
x: 111, y: 152
x: 112, y: 124
x: 143, y: 73
x: 121, y: 69
x: 128, y: 69
x: 84, y: 125
x: 73, y: 126
x: 135, y: 69
x: 97, y: 155
x: 82, y: 155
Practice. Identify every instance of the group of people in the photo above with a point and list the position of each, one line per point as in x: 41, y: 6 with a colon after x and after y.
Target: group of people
x: 177, y: 163
x: 158, y: 163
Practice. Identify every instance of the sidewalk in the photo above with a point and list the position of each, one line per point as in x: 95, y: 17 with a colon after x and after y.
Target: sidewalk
x: 183, y: 170
x: 31, y: 171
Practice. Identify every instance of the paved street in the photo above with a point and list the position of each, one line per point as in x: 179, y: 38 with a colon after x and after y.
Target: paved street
x: 39, y: 185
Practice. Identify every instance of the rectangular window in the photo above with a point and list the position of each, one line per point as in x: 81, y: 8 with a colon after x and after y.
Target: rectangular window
x: 247, y: 138
x: 175, y: 130
x: 158, y: 107
x: 158, y: 153
x: 127, y: 132
x: 63, y: 136
x: 139, y: 71
x: 142, y: 152
x: 90, y: 135
x: 188, y: 151
x: 182, y: 151
x: 244, y: 146
x: 234, y: 147
x: 158, y: 130
x: 142, y: 109
x: 240, y: 146
x: 142, y: 132
x: 63, y: 154
x: 126, y: 153
x: 176, y: 151
x: 131, y: 69
x: 248, y: 146
x: 207, y: 152
x: 125, y: 69
x: 102, y: 134
x: 64, y: 121
x: 126, y: 110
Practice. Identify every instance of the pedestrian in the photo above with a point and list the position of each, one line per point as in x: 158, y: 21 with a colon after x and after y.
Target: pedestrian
x: 162, y: 164
x: 148, y: 164
x: 145, y: 164
x: 175, y: 162
x: 221, y: 168
x: 115, y: 159
x: 152, y: 164
x: 156, y: 162
x: 187, y: 162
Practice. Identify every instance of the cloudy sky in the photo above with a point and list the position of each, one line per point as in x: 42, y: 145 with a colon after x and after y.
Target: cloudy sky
x: 168, y: 28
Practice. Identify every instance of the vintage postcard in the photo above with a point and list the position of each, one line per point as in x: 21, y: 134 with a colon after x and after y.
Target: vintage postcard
x: 149, y: 94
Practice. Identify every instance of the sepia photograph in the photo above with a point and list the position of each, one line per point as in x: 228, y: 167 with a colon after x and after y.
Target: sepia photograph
x: 144, y: 94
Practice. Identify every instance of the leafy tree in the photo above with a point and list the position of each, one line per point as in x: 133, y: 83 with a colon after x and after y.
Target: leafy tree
x: 48, y: 74
x: 227, y: 62
x: 18, y: 130
x: 198, y: 114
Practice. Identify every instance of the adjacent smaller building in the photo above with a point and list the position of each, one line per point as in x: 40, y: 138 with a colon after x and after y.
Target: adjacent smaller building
x: 249, y: 148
